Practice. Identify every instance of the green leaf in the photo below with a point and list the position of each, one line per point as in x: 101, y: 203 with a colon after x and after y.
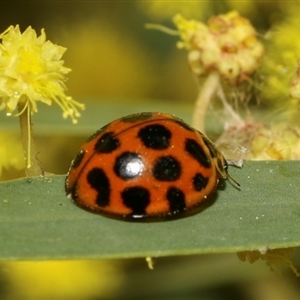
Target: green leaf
x: 38, y: 221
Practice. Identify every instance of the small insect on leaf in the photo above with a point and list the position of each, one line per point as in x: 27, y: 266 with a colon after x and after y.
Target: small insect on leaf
x: 145, y: 165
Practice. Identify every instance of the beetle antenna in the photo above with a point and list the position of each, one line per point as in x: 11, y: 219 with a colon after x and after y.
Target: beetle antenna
x: 236, y: 183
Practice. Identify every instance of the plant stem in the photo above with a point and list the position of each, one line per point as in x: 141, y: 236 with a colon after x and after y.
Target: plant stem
x: 33, y: 167
x: 205, y: 95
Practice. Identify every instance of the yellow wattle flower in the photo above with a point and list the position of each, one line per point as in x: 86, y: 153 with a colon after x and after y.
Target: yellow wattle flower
x: 226, y: 45
x: 31, y: 70
x: 277, y: 142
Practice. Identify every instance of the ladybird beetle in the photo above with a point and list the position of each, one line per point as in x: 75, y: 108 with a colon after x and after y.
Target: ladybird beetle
x: 145, y: 165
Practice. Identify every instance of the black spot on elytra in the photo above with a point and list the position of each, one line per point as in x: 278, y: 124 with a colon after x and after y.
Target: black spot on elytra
x: 100, y: 182
x: 197, y: 152
x: 176, y: 200
x: 137, y: 199
x: 155, y: 136
x: 107, y: 143
x: 199, y: 182
x: 98, y: 132
x: 137, y: 117
x: 78, y: 159
x: 128, y: 165
x: 166, y: 168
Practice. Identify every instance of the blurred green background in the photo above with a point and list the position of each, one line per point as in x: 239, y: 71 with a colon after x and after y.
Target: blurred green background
x: 114, y: 58
x: 113, y: 55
